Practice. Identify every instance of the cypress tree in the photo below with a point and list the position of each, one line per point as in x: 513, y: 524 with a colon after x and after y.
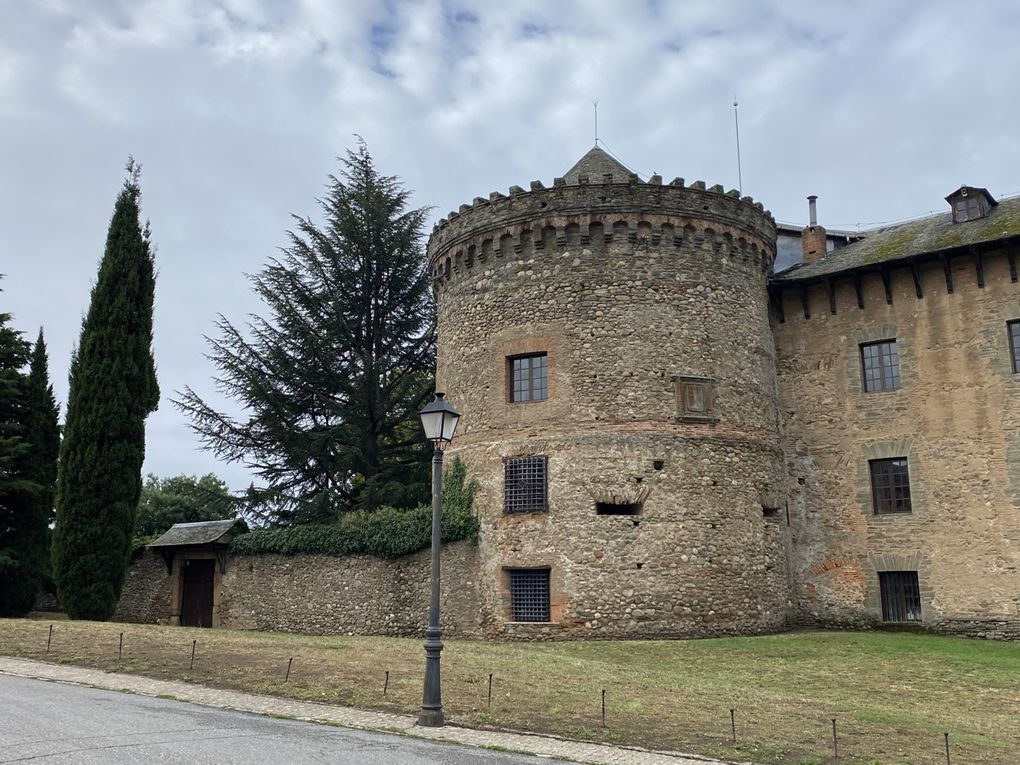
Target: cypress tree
x: 113, y: 389
x: 331, y: 382
x: 18, y: 567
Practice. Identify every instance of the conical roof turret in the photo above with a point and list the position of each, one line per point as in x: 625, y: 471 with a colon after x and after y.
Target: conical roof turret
x: 597, y: 164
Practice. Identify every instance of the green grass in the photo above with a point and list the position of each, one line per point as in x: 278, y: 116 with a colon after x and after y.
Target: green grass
x: 893, y: 694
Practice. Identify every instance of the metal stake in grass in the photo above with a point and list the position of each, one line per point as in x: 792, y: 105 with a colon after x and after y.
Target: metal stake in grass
x: 49, y: 639
x: 947, y: 749
x: 733, y: 723
x: 386, y: 683
x: 490, y: 690
x: 835, y: 743
x: 120, y: 647
x: 289, y: 662
x: 603, y: 707
x: 193, y: 644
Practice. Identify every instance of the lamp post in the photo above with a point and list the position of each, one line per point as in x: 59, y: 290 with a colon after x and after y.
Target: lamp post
x: 439, y: 421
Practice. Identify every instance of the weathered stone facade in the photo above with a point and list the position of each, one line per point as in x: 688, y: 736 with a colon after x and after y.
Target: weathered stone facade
x: 702, y: 428
x: 956, y: 418
x: 624, y: 286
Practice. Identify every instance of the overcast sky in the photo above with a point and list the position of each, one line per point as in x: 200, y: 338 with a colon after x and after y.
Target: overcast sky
x: 237, y: 110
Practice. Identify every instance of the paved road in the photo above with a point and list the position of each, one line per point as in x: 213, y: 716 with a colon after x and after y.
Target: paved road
x: 46, y: 722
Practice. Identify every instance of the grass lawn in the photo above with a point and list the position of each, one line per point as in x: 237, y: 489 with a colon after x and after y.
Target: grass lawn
x: 892, y: 694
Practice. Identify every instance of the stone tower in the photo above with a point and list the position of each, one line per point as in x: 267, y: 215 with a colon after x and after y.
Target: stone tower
x: 607, y: 341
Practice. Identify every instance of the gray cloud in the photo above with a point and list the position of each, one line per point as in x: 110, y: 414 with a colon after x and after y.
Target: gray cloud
x: 237, y: 110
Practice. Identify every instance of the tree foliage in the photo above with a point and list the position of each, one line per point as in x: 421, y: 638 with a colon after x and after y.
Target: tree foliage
x: 181, y: 499
x: 18, y: 578
x: 386, y: 532
x: 331, y: 381
x: 113, y: 389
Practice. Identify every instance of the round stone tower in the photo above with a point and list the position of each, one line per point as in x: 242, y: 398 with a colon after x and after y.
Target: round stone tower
x: 607, y: 342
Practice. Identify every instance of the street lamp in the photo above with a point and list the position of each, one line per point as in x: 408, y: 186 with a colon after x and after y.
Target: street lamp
x: 439, y: 420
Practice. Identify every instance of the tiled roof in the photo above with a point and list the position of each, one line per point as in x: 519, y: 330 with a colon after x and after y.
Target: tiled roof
x: 907, y: 240
x: 207, y: 532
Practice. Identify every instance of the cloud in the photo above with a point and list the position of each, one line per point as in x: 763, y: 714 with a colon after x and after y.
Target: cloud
x: 237, y: 110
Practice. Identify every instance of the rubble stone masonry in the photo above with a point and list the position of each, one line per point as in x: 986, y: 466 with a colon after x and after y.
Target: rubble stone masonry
x: 624, y: 286
x: 956, y: 417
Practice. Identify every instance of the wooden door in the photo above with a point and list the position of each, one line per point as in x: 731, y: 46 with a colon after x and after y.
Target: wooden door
x: 197, y: 592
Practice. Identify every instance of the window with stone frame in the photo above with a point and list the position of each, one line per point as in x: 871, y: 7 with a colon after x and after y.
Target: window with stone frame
x: 695, y: 397
x: 1013, y: 328
x: 890, y: 486
x: 901, y: 596
x: 880, y: 366
x: 529, y: 594
x: 528, y: 377
x: 525, y: 485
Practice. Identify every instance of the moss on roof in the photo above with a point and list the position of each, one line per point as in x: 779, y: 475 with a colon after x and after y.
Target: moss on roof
x: 907, y: 240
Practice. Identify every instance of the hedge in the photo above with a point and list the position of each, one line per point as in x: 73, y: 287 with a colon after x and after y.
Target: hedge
x: 386, y: 532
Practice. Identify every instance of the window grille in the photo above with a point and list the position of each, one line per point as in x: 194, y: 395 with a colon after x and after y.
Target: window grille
x: 1014, y: 344
x: 901, y: 596
x: 529, y: 594
x: 524, y: 485
x: 890, y: 486
x: 880, y: 363
x: 529, y: 377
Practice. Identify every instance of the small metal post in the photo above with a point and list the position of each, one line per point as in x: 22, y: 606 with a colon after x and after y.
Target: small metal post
x: 386, y: 683
x: 49, y: 639
x: 490, y: 690
x: 120, y: 647
x: 289, y: 662
x: 947, y: 749
x: 603, y: 707
x: 835, y: 742
x: 193, y: 644
x: 733, y: 723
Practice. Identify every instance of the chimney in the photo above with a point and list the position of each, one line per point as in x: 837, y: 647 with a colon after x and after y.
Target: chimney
x: 812, y: 239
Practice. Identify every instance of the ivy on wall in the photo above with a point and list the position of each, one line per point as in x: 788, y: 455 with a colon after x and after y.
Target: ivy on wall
x: 386, y: 532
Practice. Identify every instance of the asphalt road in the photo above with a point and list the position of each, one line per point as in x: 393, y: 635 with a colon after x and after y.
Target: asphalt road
x: 46, y: 722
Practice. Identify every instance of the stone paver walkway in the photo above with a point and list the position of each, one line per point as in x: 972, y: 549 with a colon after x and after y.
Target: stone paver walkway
x: 544, y: 746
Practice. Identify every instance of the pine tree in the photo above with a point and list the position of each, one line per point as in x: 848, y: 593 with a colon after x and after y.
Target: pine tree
x: 18, y: 573
x: 113, y: 389
x: 332, y: 381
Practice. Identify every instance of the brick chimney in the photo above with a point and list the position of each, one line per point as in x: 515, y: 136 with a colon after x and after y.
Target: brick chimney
x: 812, y: 239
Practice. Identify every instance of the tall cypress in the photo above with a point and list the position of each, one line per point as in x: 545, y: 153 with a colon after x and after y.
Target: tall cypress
x: 113, y: 389
x: 18, y: 581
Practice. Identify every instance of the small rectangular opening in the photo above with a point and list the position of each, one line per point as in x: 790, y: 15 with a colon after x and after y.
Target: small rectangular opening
x: 770, y: 512
x: 611, y: 508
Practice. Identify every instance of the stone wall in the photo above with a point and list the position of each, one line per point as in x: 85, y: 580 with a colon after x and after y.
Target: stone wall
x: 956, y: 417
x: 622, y: 286
x: 363, y: 595
x: 320, y: 595
x: 146, y: 595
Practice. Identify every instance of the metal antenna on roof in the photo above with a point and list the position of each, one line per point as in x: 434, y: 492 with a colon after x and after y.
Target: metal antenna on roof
x: 595, y: 104
x: 736, y: 124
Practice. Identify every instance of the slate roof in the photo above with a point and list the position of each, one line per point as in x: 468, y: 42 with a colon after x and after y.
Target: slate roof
x: 187, y: 534
x: 596, y: 164
x: 905, y: 241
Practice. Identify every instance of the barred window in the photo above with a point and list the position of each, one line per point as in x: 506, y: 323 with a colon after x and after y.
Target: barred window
x: 529, y: 594
x: 528, y: 377
x: 901, y: 596
x: 890, y: 486
x: 880, y: 363
x: 524, y: 485
x: 1014, y: 344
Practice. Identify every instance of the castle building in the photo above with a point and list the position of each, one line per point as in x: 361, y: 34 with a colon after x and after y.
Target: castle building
x: 672, y: 439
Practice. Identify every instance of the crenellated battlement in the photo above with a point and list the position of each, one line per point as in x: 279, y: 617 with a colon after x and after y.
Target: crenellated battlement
x: 592, y: 212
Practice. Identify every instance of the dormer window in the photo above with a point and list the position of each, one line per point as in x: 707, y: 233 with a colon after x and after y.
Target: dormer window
x: 970, y: 203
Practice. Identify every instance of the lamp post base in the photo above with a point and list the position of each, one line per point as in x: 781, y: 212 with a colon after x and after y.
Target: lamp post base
x: 431, y: 714
x: 431, y: 718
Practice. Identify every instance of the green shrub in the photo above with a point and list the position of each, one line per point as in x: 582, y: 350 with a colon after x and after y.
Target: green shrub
x: 386, y: 532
